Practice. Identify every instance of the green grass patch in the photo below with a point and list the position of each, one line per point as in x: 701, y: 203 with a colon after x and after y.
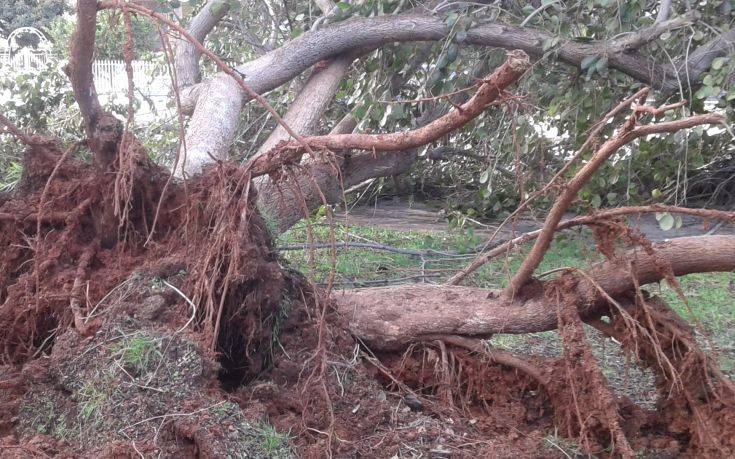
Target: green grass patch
x: 136, y: 353
x: 355, y: 265
x: 273, y: 442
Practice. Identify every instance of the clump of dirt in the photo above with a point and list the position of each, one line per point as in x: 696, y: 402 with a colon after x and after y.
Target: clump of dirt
x: 139, y: 382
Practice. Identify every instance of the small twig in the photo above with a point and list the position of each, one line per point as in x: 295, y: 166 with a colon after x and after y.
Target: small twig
x: 191, y: 303
x: 172, y: 415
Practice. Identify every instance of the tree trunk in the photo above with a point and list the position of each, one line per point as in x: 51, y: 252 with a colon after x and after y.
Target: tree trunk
x: 392, y: 317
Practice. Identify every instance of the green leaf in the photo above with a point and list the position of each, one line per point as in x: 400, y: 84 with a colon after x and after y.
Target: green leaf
x: 452, y: 52
x: 665, y: 221
x: 703, y: 92
x: 601, y: 65
x: 596, y: 201
x: 451, y: 19
x: 718, y: 63
x: 484, y: 177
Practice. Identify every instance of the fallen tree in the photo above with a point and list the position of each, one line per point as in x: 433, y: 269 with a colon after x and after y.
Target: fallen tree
x: 123, y: 217
x: 390, y: 318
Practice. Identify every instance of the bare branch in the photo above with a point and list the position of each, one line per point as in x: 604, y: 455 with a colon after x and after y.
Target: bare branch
x: 627, y: 134
x: 490, y: 89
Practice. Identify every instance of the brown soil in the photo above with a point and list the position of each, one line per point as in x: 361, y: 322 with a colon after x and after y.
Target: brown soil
x: 103, y: 357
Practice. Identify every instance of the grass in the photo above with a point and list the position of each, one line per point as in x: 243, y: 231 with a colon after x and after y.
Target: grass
x: 136, y: 353
x: 273, y: 442
x: 364, y: 267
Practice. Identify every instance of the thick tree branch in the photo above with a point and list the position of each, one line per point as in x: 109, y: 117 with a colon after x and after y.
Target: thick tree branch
x: 489, y: 90
x: 688, y: 69
x: 81, y: 54
x: 392, y: 317
x: 187, y: 55
x: 594, y: 219
x: 213, y: 123
x: 312, y: 101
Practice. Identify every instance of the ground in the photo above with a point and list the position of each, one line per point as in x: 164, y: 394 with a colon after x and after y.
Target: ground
x: 146, y: 385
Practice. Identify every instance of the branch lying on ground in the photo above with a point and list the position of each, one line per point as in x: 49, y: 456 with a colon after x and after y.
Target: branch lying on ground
x: 392, y: 317
x: 600, y: 216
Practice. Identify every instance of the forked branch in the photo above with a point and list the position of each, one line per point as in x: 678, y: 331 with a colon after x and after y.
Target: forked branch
x: 628, y: 132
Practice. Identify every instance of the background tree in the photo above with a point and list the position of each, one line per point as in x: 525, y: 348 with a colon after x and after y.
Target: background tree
x: 30, y: 13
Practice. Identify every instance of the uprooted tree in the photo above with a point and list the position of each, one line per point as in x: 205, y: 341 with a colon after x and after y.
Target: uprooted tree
x: 75, y: 230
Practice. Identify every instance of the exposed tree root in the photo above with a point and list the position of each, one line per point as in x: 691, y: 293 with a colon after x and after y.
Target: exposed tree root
x: 697, y: 403
x: 593, y: 412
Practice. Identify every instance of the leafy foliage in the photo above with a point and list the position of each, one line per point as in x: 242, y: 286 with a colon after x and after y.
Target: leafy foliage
x: 514, y: 148
x: 29, y: 13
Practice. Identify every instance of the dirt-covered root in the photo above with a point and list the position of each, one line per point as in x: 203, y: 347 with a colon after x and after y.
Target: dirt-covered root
x: 235, y: 278
x: 585, y: 405
x: 73, y: 232
x: 142, y: 383
x: 697, y: 402
x: 61, y: 217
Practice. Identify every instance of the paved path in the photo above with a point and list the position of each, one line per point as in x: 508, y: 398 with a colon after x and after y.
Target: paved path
x: 402, y: 216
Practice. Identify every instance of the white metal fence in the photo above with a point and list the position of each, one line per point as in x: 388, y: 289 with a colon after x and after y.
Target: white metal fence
x: 151, y: 81
x: 110, y: 77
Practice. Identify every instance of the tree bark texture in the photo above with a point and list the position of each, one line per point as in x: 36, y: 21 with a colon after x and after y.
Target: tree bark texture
x: 388, y: 318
